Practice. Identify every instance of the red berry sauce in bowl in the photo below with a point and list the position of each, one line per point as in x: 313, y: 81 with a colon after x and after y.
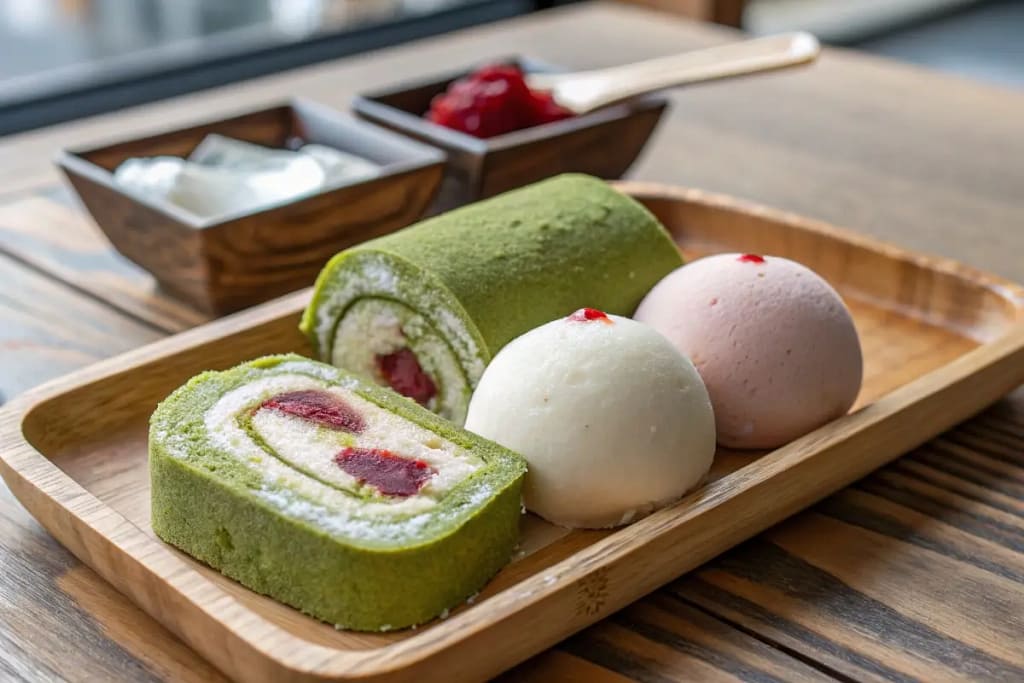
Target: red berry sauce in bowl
x: 492, y: 101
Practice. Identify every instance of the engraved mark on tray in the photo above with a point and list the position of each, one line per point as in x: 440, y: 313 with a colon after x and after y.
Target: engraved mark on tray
x: 592, y: 592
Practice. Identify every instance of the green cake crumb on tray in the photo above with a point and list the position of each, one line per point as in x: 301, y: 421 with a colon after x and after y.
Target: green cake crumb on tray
x: 425, y: 309
x: 332, y: 495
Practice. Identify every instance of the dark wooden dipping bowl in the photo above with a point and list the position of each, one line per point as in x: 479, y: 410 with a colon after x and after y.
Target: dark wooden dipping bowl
x: 228, y: 262
x: 603, y: 143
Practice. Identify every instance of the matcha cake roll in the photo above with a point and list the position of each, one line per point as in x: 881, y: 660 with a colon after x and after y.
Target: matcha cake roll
x: 425, y: 309
x: 332, y: 495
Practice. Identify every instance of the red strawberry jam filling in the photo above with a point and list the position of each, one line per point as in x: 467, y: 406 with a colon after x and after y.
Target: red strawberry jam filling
x: 390, y: 474
x: 402, y: 372
x: 586, y: 315
x: 751, y: 258
x: 321, y: 407
x: 492, y: 101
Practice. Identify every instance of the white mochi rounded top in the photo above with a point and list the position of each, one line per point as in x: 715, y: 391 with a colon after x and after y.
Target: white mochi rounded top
x: 775, y: 344
x: 612, y: 420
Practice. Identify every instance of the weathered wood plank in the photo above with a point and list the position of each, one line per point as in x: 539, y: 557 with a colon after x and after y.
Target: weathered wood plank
x: 57, y: 237
x: 660, y: 638
x: 48, y: 329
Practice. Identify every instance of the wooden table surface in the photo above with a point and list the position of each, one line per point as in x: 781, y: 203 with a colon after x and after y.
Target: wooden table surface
x: 915, y: 573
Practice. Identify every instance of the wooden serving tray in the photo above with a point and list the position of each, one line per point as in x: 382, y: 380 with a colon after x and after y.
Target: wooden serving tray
x: 941, y: 341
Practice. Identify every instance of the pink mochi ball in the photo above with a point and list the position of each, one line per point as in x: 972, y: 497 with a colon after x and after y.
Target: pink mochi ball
x: 772, y: 341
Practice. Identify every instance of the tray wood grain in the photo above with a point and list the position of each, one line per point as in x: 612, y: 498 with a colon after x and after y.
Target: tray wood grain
x: 941, y: 341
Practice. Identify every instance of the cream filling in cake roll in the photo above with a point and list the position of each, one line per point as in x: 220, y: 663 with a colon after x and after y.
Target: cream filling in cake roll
x: 395, y: 346
x: 284, y: 446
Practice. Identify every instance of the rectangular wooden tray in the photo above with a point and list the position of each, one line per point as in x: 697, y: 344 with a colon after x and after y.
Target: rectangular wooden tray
x: 941, y: 341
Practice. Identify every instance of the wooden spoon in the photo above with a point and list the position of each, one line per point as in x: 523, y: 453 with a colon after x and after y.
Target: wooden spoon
x: 585, y: 91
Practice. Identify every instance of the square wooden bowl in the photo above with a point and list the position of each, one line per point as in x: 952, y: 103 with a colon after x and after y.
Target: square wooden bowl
x: 603, y: 143
x: 229, y: 262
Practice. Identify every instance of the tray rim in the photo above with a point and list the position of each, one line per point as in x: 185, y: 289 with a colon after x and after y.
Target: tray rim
x: 31, y: 474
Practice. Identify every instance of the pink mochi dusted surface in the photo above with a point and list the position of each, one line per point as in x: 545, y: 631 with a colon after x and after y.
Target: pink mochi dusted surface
x: 772, y: 340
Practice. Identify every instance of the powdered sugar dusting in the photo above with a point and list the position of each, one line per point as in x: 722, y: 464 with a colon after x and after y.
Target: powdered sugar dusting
x: 339, y: 524
x: 319, y: 370
x: 453, y: 326
x: 174, y: 443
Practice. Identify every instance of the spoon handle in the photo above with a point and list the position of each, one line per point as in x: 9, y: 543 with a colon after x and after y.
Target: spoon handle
x: 588, y: 90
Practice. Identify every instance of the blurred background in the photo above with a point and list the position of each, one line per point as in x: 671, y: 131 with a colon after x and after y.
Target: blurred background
x: 63, y: 59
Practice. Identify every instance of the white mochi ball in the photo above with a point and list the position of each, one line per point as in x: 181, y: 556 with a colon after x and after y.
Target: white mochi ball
x: 613, y: 421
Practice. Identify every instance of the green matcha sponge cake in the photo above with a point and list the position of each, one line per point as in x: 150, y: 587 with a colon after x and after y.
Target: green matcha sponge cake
x: 340, y: 498
x: 425, y: 309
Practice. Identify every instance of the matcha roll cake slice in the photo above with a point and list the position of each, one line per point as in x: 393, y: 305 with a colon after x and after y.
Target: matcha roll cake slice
x: 425, y: 309
x: 332, y: 495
